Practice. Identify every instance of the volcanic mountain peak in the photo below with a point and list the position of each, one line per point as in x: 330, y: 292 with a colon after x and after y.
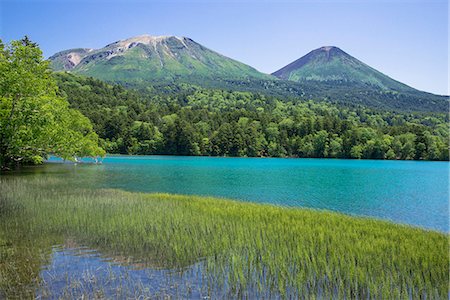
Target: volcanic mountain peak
x: 327, y: 53
x: 331, y: 64
x: 145, y: 39
x: 328, y: 48
x: 147, y: 57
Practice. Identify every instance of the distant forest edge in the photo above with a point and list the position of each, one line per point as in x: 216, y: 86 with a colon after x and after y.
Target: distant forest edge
x: 187, y: 119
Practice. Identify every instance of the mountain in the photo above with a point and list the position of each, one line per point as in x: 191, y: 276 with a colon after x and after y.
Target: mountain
x: 331, y: 73
x: 331, y: 64
x: 166, y: 63
x: 153, y: 58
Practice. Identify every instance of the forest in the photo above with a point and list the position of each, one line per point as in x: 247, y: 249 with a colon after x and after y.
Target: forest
x: 190, y: 120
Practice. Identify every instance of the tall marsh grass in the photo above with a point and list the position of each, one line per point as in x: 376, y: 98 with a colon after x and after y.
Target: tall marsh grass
x: 243, y: 247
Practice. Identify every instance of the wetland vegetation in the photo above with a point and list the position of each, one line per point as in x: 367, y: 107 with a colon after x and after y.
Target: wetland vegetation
x: 241, y: 248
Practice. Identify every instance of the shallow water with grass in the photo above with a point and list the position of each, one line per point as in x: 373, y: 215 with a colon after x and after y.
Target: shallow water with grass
x: 77, y: 271
x: 64, y: 233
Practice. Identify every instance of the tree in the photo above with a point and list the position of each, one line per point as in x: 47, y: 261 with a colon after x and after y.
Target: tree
x: 403, y: 145
x: 356, y: 152
x: 320, y: 144
x: 226, y: 141
x: 335, y: 148
x: 179, y: 138
x: 34, y: 120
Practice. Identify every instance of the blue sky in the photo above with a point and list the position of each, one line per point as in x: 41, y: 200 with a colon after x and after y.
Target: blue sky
x: 407, y: 40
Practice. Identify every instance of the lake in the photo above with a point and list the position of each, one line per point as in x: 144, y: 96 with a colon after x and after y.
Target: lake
x: 409, y: 192
x: 58, y: 243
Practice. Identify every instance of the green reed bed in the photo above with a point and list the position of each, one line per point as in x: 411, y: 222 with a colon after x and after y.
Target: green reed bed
x: 242, y: 246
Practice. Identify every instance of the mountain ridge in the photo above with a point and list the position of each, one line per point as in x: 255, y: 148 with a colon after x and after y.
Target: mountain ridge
x: 152, y: 57
x: 327, y: 73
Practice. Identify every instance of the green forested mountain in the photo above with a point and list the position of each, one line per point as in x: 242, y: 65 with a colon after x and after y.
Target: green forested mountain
x: 153, y: 58
x: 336, y: 74
x: 331, y: 64
x: 149, y: 62
x: 191, y: 120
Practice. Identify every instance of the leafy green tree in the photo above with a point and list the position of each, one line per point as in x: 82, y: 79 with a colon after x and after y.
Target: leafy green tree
x: 34, y: 120
x: 305, y: 147
x: 180, y: 139
x: 320, y: 144
x: 356, y: 151
x: 226, y: 141
x: 335, y: 146
x: 403, y: 145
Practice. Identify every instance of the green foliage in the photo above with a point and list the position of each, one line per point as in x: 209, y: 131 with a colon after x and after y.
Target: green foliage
x: 196, y: 121
x: 280, y: 252
x: 34, y: 121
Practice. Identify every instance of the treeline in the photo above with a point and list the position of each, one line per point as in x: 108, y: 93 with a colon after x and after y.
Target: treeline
x: 197, y: 121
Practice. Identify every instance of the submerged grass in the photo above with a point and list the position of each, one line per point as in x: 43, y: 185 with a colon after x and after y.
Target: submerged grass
x: 243, y: 247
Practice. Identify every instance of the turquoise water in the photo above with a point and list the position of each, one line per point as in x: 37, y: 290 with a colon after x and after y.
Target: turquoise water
x: 411, y: 192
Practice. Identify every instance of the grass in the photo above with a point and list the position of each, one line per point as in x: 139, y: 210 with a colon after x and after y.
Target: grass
x: 243, y: 247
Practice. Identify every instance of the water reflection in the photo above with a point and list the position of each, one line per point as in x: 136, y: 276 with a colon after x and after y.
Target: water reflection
x: 76, y: 272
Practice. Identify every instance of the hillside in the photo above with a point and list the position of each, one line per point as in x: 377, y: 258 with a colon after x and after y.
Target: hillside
x: 153, y: 58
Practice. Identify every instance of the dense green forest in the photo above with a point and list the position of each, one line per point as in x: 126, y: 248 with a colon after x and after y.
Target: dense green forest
x: 189, y: 120
x: 340, y: 93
